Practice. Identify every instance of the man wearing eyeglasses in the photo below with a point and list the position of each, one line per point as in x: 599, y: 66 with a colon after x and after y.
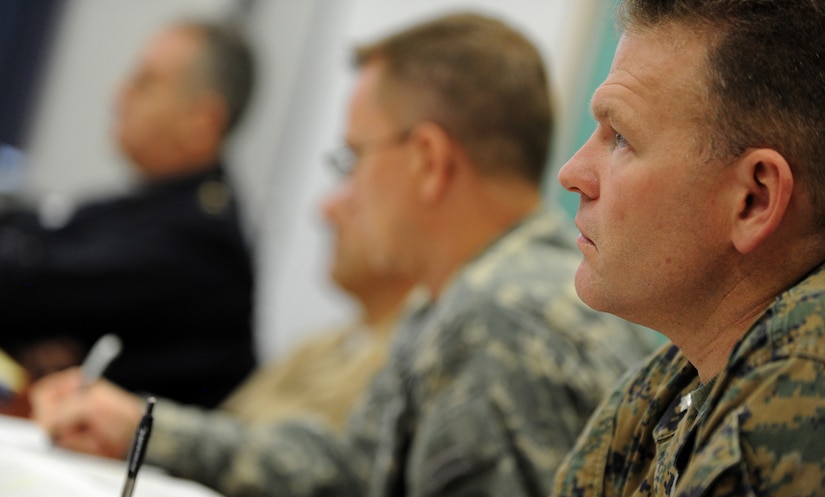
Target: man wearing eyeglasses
x: 492, y: 376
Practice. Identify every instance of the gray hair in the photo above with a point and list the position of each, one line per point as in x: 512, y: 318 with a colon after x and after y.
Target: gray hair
x: 225, y: 65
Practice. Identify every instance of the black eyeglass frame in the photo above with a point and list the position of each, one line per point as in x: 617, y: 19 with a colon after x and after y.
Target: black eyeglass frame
x: 345, y: 159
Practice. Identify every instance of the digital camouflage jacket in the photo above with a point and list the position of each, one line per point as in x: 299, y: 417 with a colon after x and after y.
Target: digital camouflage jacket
x: 757, y: 429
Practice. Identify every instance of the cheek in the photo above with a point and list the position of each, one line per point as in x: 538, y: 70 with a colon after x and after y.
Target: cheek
x: 640, y: 223
x: 645, y: 201
x: 150, y: 116
x: 369, y: 210
x: 669, y: 228
x: 133, y: 125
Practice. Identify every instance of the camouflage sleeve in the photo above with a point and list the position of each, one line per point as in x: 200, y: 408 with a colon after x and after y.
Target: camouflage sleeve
x: 764, y: 436
x: 500, y: 408
x: 290, y: 458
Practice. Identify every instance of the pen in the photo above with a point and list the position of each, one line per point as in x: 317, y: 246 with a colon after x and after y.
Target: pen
x: 138, y: 449
x: 102, y: 353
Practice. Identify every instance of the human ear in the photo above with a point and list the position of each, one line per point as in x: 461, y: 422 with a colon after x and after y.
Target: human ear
x: 436, y: 161
x: 765, y: 184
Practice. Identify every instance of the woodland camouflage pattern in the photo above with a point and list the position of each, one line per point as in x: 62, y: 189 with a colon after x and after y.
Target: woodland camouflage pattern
x: 761, y: 430
x: 484, y: 393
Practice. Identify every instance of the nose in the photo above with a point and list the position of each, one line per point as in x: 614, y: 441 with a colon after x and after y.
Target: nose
x: 580, y: 173
x: 336, y: 200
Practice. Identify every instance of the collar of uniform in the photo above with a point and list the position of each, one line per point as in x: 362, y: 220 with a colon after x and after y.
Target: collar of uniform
x: 791, y: 325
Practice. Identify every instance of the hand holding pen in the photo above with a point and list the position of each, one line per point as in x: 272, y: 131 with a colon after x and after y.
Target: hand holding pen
x: 86, y: 415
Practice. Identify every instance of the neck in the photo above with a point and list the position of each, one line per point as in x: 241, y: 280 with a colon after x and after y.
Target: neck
x: 382, y: 304
x: 709, y: 349
x: 708, y: 344
x: 465, y: 227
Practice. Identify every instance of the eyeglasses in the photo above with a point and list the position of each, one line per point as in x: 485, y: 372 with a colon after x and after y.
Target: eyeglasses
x: 345, y: 159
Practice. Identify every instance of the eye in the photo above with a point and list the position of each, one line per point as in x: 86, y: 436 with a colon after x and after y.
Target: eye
x: 619, y: 141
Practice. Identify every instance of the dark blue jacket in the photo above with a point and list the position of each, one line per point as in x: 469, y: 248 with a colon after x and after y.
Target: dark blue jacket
x: 166, y: 269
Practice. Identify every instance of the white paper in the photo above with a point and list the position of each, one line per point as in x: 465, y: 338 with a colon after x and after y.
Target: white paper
x: 31, y: 467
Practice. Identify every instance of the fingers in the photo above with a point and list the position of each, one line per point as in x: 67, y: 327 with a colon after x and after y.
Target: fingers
x: 48, y: 395
x: 97, y: 419
x: 112, y: 415
x: 78, y: 439
x: 86, y: 441
x: 56, y: 385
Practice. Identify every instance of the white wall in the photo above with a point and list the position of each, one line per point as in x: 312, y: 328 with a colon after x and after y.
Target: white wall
x: 70, y: 149
x: 296, y: 117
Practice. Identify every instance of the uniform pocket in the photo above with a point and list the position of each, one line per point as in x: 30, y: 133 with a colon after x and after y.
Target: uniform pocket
x: 718, y: 467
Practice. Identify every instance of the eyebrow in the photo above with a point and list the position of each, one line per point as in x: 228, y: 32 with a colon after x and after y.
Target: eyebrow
x: 600, y: 110
x: 618, y: 115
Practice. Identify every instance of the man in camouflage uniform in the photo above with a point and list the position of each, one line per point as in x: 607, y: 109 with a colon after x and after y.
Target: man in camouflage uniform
x: 701, y: 216
x: 497, y: 366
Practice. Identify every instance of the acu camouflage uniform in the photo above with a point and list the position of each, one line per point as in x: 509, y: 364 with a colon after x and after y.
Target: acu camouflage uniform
x: 485, y: 391
x: 757, y: 429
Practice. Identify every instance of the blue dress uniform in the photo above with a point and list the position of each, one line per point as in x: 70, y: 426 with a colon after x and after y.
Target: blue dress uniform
x: 167, y: 269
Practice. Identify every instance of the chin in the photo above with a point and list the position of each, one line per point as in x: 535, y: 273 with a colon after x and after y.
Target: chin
x: 587, y: 288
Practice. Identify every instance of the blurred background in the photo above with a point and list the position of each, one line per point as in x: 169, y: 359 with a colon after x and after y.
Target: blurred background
x: 61, y: 62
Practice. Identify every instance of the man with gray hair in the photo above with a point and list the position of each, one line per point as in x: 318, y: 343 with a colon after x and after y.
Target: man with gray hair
x: 167, y: 268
